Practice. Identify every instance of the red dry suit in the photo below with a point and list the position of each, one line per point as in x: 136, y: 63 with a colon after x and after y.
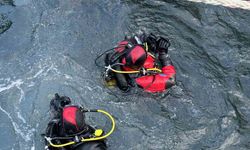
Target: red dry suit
x: 157, y: 82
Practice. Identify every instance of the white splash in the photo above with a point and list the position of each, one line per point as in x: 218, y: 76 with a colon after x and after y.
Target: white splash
x: 31, y: 84
x: 231, y: 140
x: 67, y: 76
x: 43, y: 71
x: 26, y: 135
x: 227, y: 3
x: 38, y: 73
x: 237, y: 94
x: 33, y: 147
x: 21, y: 117
x: 16, y: 83
x: 21, y: 92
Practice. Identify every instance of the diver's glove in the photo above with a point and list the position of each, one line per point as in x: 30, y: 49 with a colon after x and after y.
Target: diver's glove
x: 152, y: 42
x: 163, y: 45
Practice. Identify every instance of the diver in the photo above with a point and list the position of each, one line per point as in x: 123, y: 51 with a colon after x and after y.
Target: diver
x: 141, y: 61
x: 68, y: 130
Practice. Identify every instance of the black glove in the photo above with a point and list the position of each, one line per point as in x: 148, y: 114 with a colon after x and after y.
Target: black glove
x: 163, y: 44
x: 142, y: 37
x: 152, y: 42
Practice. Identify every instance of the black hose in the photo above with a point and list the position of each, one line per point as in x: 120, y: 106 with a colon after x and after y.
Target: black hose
x: 99, y: 56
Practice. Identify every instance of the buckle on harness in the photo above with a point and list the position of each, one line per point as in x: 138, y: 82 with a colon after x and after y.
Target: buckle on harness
x: 143, y: 71
x: 48, y: 138
x: 76, y: 139
x: 107, y: 75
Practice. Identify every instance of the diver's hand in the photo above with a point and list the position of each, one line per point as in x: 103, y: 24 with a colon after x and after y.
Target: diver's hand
x: 163, y: 45
x: 152, y: 42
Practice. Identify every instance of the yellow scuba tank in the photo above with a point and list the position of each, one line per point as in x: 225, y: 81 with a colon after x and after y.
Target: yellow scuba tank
x: 110, y: 83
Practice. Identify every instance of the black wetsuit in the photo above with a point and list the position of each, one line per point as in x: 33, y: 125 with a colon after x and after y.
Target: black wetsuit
x: 54, y: 129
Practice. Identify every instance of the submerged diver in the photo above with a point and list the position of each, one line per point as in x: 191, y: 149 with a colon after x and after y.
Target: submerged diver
x: 68, y: 131
x: 143, y: 60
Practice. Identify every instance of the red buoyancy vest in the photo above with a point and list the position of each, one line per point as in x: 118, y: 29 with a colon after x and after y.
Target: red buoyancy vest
x: 149, y: 63
x: 121, y: 46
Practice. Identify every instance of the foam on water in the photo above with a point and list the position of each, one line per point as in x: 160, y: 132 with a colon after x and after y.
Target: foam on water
x: 16, y: 83
x: 24, y: 132
x: 231, y: 140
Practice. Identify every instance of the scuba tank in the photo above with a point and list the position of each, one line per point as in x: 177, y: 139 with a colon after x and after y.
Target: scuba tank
x: 113, y: 60
x: 112, y: 78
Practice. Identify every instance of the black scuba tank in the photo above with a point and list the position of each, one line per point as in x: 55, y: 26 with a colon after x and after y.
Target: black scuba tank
x: 121, y: 80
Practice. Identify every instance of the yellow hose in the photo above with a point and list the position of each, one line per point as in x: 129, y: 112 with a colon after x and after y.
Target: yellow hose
x: 60, y: 145
x: 104, y: 136
x: 88, y: 139
x: 146, y: 48
x: 151, y: 55
x: 136, y: 71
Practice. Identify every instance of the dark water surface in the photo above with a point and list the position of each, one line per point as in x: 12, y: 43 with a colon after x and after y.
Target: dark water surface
x: 49, y: 46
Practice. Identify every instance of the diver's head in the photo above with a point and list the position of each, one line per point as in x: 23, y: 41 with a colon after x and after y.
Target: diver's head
x: 58, y: 102
x: 135, y: 57
x: 73, y: 120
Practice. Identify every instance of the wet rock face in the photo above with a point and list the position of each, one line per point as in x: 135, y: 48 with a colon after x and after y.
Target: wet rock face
x: 5, y: 23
